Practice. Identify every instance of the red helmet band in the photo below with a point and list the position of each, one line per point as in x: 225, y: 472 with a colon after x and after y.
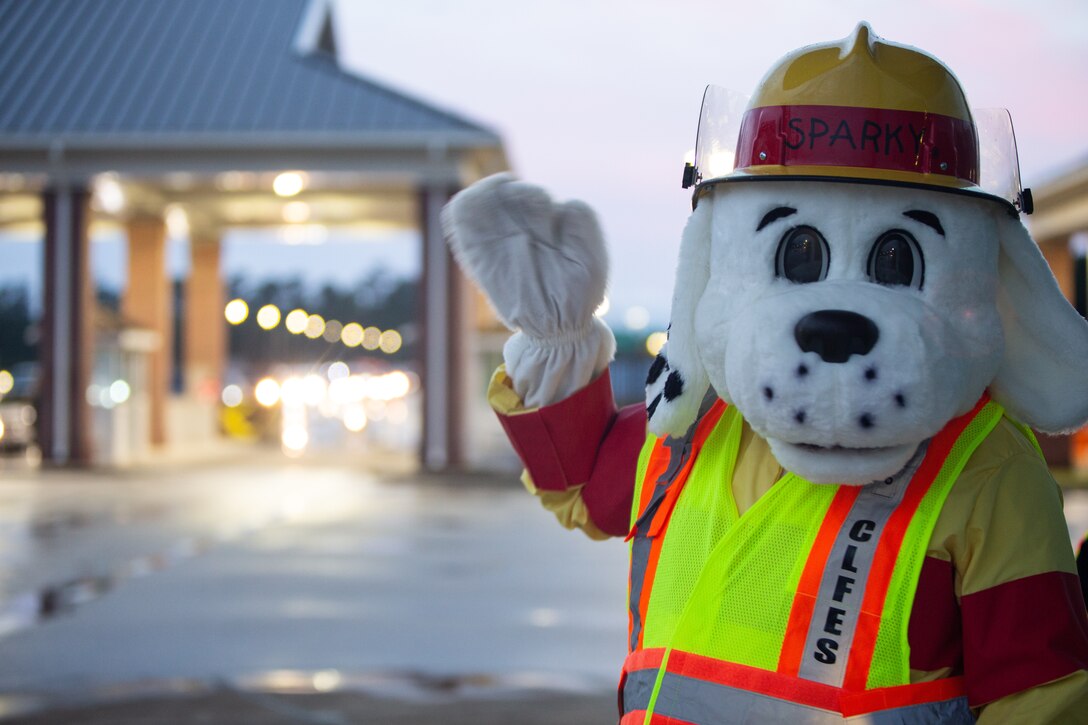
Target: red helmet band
x: 872, y: 138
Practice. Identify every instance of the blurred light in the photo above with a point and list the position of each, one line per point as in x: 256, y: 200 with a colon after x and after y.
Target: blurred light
x: 7, y: 382
x: 295, y: 438
x: 314, y: 389
x: 1, y: 429
x: 339, y: 370
x: 397, y: 411
x: 326, y: 680
x: 636, y: 318
x: 354, y: 418
x: 104, y: 399
x: 298, y: 234
x: 268, y: 317
x: 289, y: 183
x: 390, y: 341
x: 352, y: 334
x: 332, y: 331
x: 236, y: 311
x: 296, y: 321
x: 372, y: 337
x: 315, y: 326
x: 108, y: 193
x: 296, y: 212
x: 720, y: 163
x: 232, y: 396
x: 94, y: 394
x: 267, y: 392
x: 119, y: 391
x: 389, y: 386
x: 292, y: 393
x: 655, y: 341
x: 604, y: 307
x: 29, y: 416
x: 177, y: 222
x: 234, y: 180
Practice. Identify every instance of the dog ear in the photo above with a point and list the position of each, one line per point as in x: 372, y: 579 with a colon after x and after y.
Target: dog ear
x: 677, y: 382
x: 1041, y: 380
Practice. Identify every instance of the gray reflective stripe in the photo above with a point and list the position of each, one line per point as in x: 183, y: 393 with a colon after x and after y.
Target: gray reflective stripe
x: 679, y: 449
x: 842, y: 588
x: 709, y: 703
x: 637, y: 688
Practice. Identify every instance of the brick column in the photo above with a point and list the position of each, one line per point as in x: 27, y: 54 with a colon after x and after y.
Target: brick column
x: 205, y: 333
x: 67, y: 342
x: 148, y: 303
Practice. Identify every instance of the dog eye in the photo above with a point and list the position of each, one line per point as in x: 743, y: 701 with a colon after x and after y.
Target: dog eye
x: 802, y: 255
x: 896, y: 259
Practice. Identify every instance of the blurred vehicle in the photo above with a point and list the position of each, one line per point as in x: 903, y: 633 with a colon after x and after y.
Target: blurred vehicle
x: 19, y: 410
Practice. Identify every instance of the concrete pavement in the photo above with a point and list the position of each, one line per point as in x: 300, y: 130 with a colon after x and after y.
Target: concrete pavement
x: 254, y: 590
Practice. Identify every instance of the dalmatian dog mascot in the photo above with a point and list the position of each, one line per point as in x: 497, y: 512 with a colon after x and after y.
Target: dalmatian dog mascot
x: 837, y: 511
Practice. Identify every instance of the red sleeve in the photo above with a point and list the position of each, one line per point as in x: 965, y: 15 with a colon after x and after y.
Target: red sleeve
x: 1022, y: 634
x: 584, y: 440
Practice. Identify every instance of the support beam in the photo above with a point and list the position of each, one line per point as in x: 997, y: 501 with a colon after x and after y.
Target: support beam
x: 148, y: 303
x: 205, y: 334
x: 443, y: 323
x: 67, y: 342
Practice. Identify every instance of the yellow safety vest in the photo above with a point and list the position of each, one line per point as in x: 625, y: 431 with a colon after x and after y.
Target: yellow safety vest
x: 795, y: 611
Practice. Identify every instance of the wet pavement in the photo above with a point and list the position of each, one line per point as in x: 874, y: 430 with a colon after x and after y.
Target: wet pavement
x: 247, y: 581
x: 259, y: 591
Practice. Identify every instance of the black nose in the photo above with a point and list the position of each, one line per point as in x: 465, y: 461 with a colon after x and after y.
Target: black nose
x: 835, y: 335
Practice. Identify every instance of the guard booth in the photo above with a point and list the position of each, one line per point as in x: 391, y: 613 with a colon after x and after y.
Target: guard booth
x: 191, y: 110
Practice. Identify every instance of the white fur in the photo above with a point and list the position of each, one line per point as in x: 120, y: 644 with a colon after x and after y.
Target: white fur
x: 1042, y: 379
x: 544, y: 268
x: 939, y: 347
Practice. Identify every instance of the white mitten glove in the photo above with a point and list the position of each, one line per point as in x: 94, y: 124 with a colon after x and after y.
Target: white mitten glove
x: 544, y: 268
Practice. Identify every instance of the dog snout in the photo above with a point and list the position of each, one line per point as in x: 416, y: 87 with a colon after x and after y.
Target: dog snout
x: 835, y: 335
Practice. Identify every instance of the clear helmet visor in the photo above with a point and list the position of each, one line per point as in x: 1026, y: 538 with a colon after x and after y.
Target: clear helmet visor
x: 719, y: 135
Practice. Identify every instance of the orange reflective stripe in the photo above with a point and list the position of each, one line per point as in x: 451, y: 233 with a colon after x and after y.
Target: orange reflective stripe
x: 807, y: 692
x: 860, y: 658
x: 804, y: 602
x: 886, y: 698
x: 644, y: 659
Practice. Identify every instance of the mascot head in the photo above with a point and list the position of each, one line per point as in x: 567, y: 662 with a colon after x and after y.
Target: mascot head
x: 858, y: 275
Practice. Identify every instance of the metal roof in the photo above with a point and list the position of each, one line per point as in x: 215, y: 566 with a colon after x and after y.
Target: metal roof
x: 102, y: 71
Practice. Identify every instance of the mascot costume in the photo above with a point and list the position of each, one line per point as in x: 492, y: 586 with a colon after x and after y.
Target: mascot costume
x: 836, y: 508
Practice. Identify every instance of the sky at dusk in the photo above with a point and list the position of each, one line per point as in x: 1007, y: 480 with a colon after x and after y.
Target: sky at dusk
x: 599, y: 101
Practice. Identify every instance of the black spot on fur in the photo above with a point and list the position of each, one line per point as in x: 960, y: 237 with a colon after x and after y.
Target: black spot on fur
x: 799, y: 416
x: 768, y: 392
x: 652, y: 407
x: 866, y: 420
x: 802, y: 371
x: 870, y: 374
x: 674, y: 386
x: 659, y: 365
x: 900, y: 400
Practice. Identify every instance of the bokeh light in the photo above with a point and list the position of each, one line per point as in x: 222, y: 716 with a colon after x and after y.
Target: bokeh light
x: 655, y: 341
x: 333, y: 329
x: 315, y: 326
x: 7, y: 382
x: 289, y: 183
x: 389, y: 341
x: 267, y: 392
x: 295, y: 321
x: 236, y: 311
x: 352, y: 334
x: 268, y: 317
x: 372, y: 337
x: 231, y: 396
